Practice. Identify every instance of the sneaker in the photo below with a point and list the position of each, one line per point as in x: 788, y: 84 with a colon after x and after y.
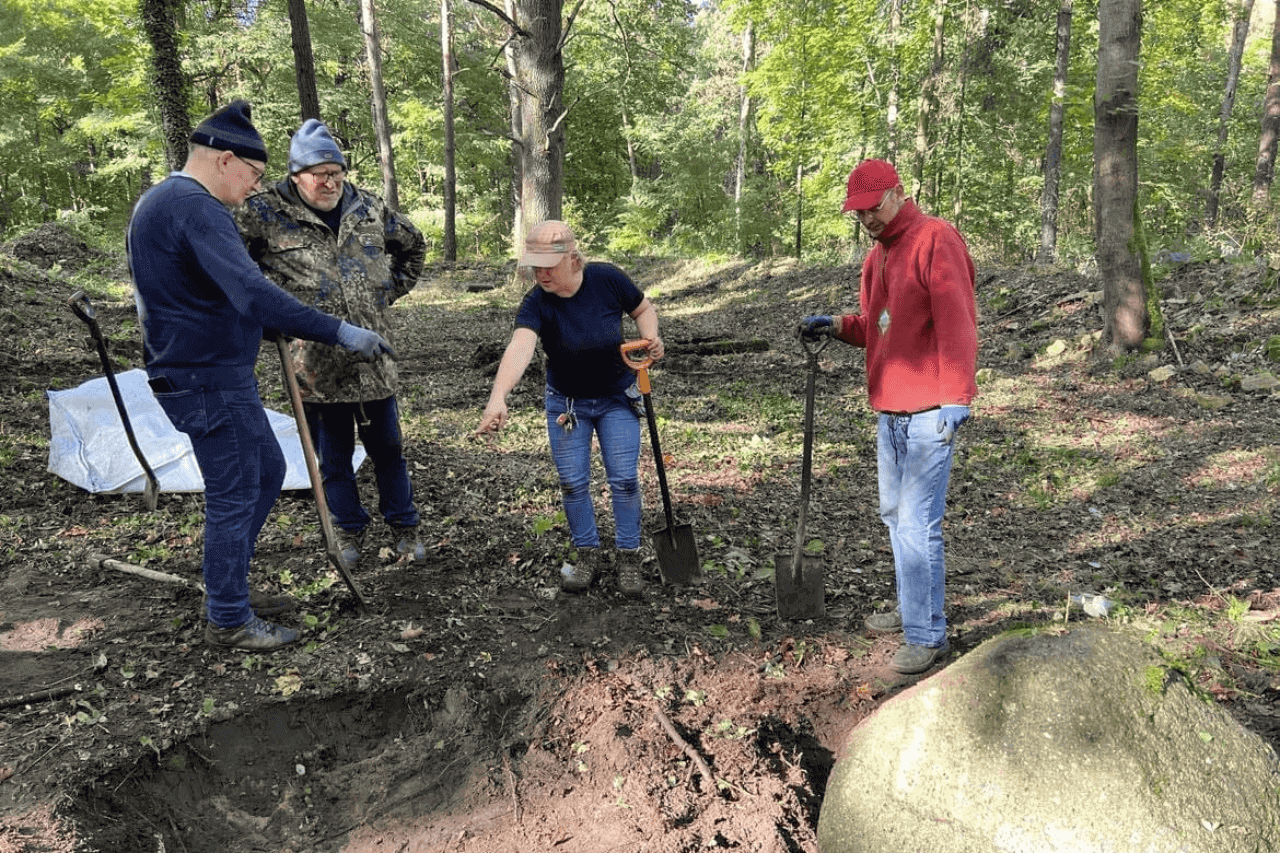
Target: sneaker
x: 884, y: 623
x: 409, y: 545
x: 253, y: 636
x: 349, y: 544
x: 264, y: 604
x: 912, y: 659
x: 577, y: 577
x: 630, y: 580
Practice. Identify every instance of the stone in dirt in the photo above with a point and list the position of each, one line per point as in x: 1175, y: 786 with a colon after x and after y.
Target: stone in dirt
x: 1084, y: 742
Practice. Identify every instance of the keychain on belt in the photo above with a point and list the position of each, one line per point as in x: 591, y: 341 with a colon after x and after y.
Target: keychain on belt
x: 568, y: 420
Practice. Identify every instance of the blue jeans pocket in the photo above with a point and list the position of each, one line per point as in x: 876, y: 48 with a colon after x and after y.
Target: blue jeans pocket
x: 186, y: 410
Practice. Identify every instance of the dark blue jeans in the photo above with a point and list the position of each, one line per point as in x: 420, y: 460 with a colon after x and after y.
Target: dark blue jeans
x: 243, y: 469
x: 333, y: 428
x: 614, y: 421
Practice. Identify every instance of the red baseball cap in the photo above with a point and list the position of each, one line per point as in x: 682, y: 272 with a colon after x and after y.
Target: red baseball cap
x: 867, y: 184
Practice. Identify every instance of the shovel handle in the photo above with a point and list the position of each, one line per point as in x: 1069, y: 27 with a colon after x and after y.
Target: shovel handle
x: 636, y: 355
x: 80, y: 305
x: 83, y: 308
x: 313, y: 472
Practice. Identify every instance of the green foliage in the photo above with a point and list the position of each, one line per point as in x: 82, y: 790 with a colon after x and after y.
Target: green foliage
x: 652, y: 100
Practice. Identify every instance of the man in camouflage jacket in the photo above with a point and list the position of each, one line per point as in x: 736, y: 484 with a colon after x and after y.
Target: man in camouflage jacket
x: 340, y: 248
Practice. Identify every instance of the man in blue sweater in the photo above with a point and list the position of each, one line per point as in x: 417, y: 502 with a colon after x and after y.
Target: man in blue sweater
x: 205, y: 307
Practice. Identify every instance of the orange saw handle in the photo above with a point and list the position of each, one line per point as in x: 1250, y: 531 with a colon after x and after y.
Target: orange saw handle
x: 637, y: 357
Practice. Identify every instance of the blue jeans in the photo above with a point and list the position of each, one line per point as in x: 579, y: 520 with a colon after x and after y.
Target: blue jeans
x: 614, y: 420
x: 333, y: 428
x: 243, y: 469
x: 914, y: 466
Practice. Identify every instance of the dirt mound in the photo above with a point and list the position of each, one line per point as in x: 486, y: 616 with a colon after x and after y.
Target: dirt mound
x: 52, y: 245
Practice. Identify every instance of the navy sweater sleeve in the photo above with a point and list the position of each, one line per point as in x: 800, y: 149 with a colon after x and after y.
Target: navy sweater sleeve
x: 202, y: 300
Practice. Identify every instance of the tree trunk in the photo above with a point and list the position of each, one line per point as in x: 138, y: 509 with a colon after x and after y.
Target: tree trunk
x: 539, y: 80
x: 1053, y: 151
x: 159, y: 18
x: 799, y: 207
x: 1240, y: 32
x: 744, y: 129
x: 378, y: 104
x: 929, y: 100
x: 517, y: 129
x: 450, y: 236
x: 895, y: 79
x: 1115, y: 174
x: 303, y: 60
x: 1264, y: 171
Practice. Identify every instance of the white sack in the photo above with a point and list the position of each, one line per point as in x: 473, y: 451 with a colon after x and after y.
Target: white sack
x: 88, y: 445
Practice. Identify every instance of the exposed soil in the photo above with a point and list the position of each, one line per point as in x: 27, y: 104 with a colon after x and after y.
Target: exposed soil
x: 475, y: 708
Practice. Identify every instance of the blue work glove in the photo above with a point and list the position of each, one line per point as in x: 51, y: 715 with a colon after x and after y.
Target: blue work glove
x: 362, y: 341
x: 817, y: 326
x: 949, y: 420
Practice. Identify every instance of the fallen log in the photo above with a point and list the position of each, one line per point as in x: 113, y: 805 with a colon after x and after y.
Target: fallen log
x: 102, y: 561
x: 39, y: 696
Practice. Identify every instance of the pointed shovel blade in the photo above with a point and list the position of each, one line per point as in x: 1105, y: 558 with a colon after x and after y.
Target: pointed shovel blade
x: 799, y: 587
x: 677, y: 554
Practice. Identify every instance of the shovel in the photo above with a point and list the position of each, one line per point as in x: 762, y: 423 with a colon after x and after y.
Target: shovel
x: 677, y: 551
x: 82, y: 308
x: 797, y: 579
x: 313, y: 471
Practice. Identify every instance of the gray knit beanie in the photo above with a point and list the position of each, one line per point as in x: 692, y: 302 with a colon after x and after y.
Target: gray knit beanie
x: 313, y: 145
x: 229, y: 129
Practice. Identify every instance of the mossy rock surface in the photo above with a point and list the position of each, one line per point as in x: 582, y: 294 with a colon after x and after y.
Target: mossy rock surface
x: 1081, y: 742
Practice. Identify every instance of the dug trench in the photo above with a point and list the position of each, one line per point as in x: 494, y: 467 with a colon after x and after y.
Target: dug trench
x: 477, y: 708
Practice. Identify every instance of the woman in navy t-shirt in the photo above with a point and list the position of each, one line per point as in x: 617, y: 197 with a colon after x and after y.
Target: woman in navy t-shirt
x: 576, y: 310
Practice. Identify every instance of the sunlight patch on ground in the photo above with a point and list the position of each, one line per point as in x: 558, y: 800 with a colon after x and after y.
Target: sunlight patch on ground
x: 41, y: 634
x: 1232, y: 469
x: 1117, y: 529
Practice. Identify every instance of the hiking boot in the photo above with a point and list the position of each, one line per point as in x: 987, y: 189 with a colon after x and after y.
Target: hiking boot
x: 912, y: 659
x: 264, y: 604
x: 349, y: 544
x: 577, y: 577
x: 884, y: 623
x: 408, y: 544
x: 630, y: 580
x: 253, y: 636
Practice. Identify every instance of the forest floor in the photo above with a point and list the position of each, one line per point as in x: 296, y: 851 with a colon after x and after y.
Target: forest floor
x: 475, y: 708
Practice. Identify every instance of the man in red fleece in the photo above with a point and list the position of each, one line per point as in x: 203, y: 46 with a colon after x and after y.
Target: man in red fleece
x: 919, y: 327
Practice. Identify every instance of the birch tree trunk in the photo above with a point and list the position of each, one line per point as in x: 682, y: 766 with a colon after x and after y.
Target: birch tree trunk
x: 1240, y: 32
x: 517, y: 126
x: 373, y: 52
x: 891, y: 113
x: 1053, y: 151
x: 450, y: 236
x: 1264, y: 170
x: 1115, y: 174
x: 744, y: 129
x: 929, y: 102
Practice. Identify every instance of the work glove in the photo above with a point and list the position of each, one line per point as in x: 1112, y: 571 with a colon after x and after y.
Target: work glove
x: 817, y: 326
x: 950, y: 419
x: 363, y: 342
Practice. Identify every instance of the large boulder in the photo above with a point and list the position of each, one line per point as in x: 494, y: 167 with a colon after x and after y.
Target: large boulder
x: 1080, y: 742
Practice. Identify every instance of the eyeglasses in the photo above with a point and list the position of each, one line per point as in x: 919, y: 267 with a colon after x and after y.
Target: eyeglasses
x: 333, y: 176
x: 884, y: 199
x: 257, y: 173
